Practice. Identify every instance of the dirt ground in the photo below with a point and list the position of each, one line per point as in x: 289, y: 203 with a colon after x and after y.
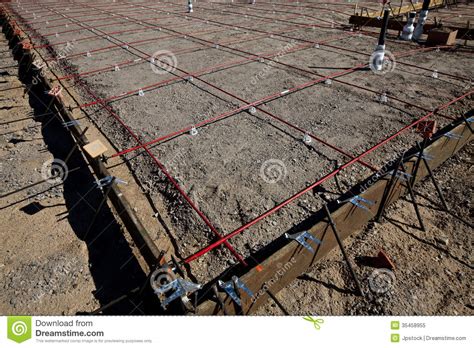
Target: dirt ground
x: 226, y: 169
x: 434, y: 269
x: 49, y: 264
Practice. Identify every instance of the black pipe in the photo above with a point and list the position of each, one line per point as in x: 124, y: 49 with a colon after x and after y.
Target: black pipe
x: 383, y: 31
x: 426, y: 4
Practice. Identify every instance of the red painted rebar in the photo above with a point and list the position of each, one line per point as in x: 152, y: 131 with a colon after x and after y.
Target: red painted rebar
x: 172, y: 180
x: 177, y: 53
x: 332, y: 46
x: 351, y: 161
x: 277, y: 95
x: 317, y: 183
x: 272, y: 97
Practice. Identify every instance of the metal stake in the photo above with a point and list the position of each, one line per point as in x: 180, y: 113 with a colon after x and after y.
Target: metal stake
x: 419, y: 159
x: 388, y: 190
x: 433, y: 180
x: 415, y: 205
x: 343, y: 250
x: 219, y: 300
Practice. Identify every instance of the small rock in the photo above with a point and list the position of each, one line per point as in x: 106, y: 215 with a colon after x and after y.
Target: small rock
x: 442, y: 240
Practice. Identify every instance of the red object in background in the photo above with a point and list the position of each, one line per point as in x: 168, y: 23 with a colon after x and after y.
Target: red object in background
x: 383, y: 261
x: 426, y: 128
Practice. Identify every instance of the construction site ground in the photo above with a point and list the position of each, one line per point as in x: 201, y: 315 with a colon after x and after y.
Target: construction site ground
x: 49, y: 266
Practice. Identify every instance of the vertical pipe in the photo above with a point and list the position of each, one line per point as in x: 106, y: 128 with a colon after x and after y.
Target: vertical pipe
x: 408, y: 29
x: 421, y: 20
x: 383, y: 30
x: 377, y: 58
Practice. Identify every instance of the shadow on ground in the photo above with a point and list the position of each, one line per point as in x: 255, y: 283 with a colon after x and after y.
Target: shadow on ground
x: 112, y: 265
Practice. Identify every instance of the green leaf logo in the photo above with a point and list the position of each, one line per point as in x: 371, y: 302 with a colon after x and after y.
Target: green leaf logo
x: 19, y: 328
x: 316, y: 322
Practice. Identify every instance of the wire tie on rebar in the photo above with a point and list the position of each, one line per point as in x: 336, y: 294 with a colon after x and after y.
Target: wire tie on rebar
x: 189, y: 78
x: 435, y: 74
x: 70, y: 123
x: 125, y: 47
x: 180, y: 287
x: 286, y: 91
x: 229, y: 288
x: 141, y: 93
x: 307, y: 139
x: 328, y: 82
x: 356, y: 201
x: 383, y: 98
x: 88, y: 54
x: 193, y: 131
x: 301, y: 237
x: 117, y: 68
x: 252, y: 110
x: 452, y: 135
x: 316, y: 45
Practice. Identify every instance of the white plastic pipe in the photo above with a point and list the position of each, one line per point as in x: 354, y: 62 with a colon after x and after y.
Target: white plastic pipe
x: 419, y: 26
x: 408, y: 29
x: 378, y: 57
